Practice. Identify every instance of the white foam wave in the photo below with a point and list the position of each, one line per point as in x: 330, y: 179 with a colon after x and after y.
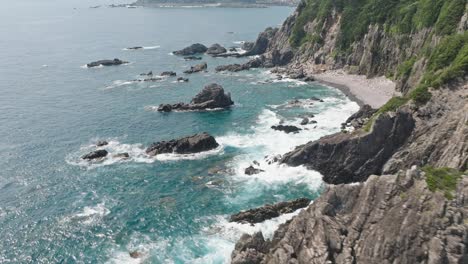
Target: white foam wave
x: 89, y: 215
x: 239, y: 42
x: 143, y: 48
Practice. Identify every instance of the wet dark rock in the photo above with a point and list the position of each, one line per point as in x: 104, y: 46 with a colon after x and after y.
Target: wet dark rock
x: 186, y: 145
x: 101, y: 143
x: 105, y: 63
x: 192, y: 58
x: 309, y: 79
x: 135, y: 48
x: 152, y: 79
x: 216, y: 49
x: 232, y: 49
x: 272, y: 159
x: 231, y: 67
x: 346, y: 158
x: 97, y: 154
x: 123, y: 155
x: 305, y: 121
x: 211, y: 97
x: 287, y: 128
x: 168, y: 73
x: 197, y: 68
x: 193, y: 49
x: 182, y: 79
x: 150, y: 73
x: 251, y: 170
x: 135, y: 254
x: 269, y: 211
x: 313, y: 98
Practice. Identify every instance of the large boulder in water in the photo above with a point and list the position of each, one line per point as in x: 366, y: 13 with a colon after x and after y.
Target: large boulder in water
x: 97, y: 154
x: 216, y: 49
x: 269, y: 211
x: 191, y: 50
x: 197, y: 68
x: 105, y: 63
x: 186, y: 145
x: 211, y: 97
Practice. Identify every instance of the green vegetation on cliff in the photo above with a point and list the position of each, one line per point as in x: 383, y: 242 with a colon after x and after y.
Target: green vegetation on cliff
x: 396, y: 16
x: 442, y: 179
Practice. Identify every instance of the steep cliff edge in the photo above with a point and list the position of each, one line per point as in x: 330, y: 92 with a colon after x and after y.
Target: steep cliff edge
x: 398, y: 217
x: 387, y: 219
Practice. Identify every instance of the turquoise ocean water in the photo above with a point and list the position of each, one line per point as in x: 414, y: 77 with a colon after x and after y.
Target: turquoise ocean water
x: 55, y: 208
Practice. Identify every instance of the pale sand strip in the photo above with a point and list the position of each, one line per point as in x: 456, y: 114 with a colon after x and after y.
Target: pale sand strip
x: 374, y: 92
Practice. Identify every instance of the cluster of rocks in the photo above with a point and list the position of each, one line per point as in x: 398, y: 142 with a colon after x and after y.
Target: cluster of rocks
x: 106, y: 63
x: 269, y: 211
x: 186, y: 145
x: 197, y: 68
x: 286, y: 128
x: 211, y: 97
x: 215, y: 50
x: 100, y: 154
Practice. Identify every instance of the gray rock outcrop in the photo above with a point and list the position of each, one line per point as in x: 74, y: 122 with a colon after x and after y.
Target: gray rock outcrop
x: 193, y: 49
x: 186, y: 145
x: 211, y: 97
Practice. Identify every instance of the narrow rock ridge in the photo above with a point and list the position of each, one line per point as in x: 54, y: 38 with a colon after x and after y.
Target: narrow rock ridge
x: 387, y: 219
x: 352, y: 157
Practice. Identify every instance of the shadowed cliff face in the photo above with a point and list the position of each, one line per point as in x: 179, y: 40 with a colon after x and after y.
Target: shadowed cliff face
x: 345, y: 158
x: 387, y: 219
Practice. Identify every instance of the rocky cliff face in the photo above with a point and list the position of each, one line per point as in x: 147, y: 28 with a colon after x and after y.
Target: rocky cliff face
x: 397, y: 217
x: 387, y: 219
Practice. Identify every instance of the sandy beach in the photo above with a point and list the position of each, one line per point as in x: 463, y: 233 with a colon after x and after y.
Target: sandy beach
x: 374, y: 92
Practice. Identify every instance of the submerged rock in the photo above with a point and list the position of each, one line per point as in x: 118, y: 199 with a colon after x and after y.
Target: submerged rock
x: 186, y: 145
x: 105, y: 63
x: 251, y: 170
x: 192, y: 58
x: 150, y: 73
x: 97, y: 154
x: 286, y: 128
x: 216, y: 49
x: 123, y: 155
x: 102, y: 143
x: 269, y: 211
x: 182, y: 79
x: 211, y: 97
x: 197, y: 68
x: 168, y: 73
x: 193, y: 49
x: 135, y: 254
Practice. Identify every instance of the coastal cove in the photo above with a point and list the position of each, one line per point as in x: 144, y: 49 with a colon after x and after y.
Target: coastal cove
x: 55, y: 206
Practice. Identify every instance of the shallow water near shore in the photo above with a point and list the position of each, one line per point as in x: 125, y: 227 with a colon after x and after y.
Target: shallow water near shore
x: 172, y: 208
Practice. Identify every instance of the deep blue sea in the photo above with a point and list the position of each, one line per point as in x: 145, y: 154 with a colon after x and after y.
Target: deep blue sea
x: 55, y: 208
